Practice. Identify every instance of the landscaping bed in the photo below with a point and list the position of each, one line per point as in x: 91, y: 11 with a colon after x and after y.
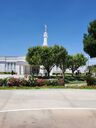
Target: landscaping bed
x: 44, y: 83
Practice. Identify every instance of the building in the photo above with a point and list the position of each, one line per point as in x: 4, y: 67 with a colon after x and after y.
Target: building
x: 15, y: 64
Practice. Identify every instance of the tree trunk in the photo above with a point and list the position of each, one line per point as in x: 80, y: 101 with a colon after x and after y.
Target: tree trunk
x: 63, y: 78
x: 48, y: 72
x: 72, y: 72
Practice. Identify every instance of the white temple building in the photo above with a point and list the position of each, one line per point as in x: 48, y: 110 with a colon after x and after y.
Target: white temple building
x: 21, y: 67
x: 15, y: 64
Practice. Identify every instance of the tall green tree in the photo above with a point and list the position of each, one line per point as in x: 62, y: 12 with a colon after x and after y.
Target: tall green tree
x: 33, y: 55
x: 60, y: 57
x: 92, y: 69
x: 47, y: 58
x: 41, y: 56
x: 76, y: 61
x: 89, y: 40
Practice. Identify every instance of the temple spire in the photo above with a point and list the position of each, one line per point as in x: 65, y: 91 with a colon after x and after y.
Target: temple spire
x: 45, y: 36
x: 45, y: 28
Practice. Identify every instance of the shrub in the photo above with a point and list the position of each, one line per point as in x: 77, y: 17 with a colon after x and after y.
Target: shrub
x: 7, y: 72
x: 41, y: 82
x: 90, y: 80
x: 13, y: 82
x: 52, y: 82
x: 61, y: 82
x: 57, y: 74
x: 5, y: 82
x: 32, y: 81
x: 1, y: 82
x: 23, y: 82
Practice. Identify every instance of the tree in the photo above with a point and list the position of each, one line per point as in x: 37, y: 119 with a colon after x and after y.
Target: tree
x: 41, y: 56
x: 92, y: 69
x: 76, y: 61
x: 47, y: 58
x: 89, y: 40
x: 33, y: 56
x: 60, y: 55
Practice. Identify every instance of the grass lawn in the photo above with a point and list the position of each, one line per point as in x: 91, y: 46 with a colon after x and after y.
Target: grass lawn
x: 67, y: 86
x: 69, y: 79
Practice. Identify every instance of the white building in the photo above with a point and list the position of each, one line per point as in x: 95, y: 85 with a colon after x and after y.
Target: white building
x: 16, y: 64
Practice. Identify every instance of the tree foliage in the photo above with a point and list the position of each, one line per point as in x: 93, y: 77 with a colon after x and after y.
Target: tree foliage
x: 60, y: 54
x: 33, y: 56
x: 48, y: 57
x: 61, y: 57
x: 76, y: 61
x: 92, y: 69
x: 89, y: 40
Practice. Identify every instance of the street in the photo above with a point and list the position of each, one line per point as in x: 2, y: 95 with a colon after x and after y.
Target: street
x: 54, y: 108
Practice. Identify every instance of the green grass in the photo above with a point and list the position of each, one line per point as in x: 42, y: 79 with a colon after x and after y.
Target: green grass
x: 50, y: 87
x: 74, y: 79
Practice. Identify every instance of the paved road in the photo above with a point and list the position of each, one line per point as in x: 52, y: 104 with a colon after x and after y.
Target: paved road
x: 54, y: 108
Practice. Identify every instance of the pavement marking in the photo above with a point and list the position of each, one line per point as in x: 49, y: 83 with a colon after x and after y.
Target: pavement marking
x: 38, y: 109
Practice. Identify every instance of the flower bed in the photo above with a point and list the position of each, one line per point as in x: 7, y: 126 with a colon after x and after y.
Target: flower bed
x: 36, y: 82
x: 13, y: 82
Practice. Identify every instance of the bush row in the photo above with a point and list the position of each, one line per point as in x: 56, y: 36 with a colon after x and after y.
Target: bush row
x: 11, y: 82
x: 90, y: 80
x: 7, y: 73
x: 33, y: 82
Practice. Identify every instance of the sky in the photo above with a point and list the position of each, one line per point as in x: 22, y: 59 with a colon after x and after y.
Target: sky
x: 22, y: 24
